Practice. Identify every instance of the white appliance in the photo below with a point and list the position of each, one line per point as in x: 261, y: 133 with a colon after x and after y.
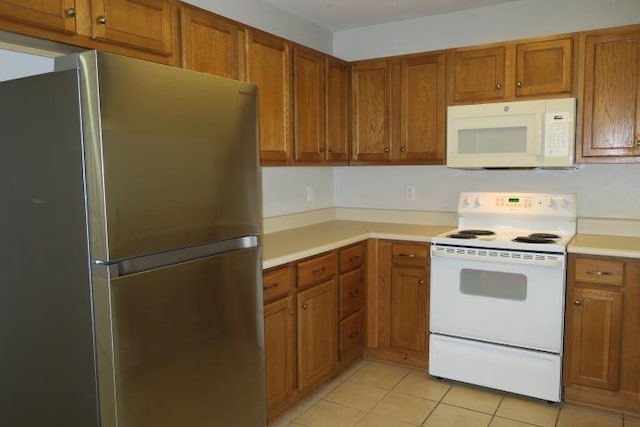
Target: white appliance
x: 521, y: 134
x: 498, y: 291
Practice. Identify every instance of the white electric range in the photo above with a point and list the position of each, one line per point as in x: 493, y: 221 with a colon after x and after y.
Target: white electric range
x: 497, y: 292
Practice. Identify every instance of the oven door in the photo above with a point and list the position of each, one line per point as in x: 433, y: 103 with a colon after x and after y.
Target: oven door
x: 514, y: 304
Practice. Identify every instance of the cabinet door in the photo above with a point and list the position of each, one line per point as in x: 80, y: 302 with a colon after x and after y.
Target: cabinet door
x: 317, y: 333
x: 611, y: 99
x: 408, y: 308
x: 422, y: 109
x: 268, y: 67
x: 544, y: 67
x: 210, y: 44
x: 59, y: 15
x: 308, y: 106
x: 594, y: 332
x: 371, y: 109
x: 337, y: 112
x: 280, y: 351
x: 479, y: 74
x: 141, y: 24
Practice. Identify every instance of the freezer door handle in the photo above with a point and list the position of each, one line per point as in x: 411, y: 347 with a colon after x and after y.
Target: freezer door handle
x: 162, y: 259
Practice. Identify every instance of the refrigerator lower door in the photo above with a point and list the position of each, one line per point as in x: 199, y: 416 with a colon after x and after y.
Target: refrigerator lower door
x: 188, y: 345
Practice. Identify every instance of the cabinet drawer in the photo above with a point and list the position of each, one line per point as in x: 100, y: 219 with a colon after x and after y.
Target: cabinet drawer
x: 277, y: 282
x: 351, y: 292
x: 352, y: 333
x: 410, y: 254
x: 605, y: 272
x: 316, y: 269
x: 351, y: 258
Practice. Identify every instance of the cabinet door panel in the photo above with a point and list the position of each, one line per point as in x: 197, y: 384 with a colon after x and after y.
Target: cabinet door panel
x: 409, y: 302
x: 280, y: 351
x: 268, y: 65
x: 317, y: 333
x: 309, y: 92
x: 423, y: 108
x: 56, y: 15
x: 209, y: 44
x: 595, y: 338
x: 479, y: 74
x: 371, y: 91
x: 611, y: 118
x: 142, y: 24
x: 337, y: 112
x: 544, y: 67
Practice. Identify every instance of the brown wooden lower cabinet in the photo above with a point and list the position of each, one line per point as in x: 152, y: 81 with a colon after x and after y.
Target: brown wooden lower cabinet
x: 402, y: 308
x: 307, y: 341
x: 602, y: 334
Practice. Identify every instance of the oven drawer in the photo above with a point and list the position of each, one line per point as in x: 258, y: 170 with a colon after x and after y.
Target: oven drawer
x: 530, y: 373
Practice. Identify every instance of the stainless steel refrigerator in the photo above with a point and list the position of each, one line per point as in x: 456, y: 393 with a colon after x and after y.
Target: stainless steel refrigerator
x: 130, y: 264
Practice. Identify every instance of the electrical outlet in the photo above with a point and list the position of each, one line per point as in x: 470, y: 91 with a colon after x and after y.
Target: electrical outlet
x: 411, y: 192
x: 309, y: 194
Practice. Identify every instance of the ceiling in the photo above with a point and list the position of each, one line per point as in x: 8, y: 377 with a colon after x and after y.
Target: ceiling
x: 336, y: 15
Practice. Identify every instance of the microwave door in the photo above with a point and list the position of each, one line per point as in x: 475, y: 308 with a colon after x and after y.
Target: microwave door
x: 495, y: 141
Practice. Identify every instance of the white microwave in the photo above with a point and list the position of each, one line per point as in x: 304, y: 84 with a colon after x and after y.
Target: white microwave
x: 520, y: 134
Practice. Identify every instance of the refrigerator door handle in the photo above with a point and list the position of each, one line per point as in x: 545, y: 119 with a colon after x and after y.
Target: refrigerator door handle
x: 125, y: 267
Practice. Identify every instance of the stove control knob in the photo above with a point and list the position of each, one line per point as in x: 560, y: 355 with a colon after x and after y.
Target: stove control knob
x: 553, y: 203
x: 466, y: 202
x: 478, y: 202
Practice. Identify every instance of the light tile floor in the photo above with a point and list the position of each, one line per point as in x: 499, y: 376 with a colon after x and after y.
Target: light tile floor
x: 377, y: 394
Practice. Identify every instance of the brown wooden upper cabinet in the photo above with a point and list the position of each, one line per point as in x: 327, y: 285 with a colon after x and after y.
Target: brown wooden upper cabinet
x: 308, y: 105
x: 269, y: 67
x: 610, y: 94
x: 320, y: 108
x: 398, y: 110
x: 142, y: 28
x: 211, y: 44
x: 526, y: 68
x: 337, y: 111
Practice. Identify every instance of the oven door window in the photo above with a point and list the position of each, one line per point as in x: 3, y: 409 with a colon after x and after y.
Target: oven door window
x: 493, y: 284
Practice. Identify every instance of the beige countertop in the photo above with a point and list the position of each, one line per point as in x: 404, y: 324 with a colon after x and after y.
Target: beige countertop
x: 290, y: 245
x: 600, y: 244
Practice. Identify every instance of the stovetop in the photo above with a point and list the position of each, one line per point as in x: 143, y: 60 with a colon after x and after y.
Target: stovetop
x: 514, y: 221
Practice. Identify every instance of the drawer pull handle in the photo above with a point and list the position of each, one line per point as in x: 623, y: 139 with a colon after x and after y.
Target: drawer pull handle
x: 272, y: 286
x: 354, y: 258
x: 354, y: 334
x: 600, y: 273
x: 318, y: 270
x: 407, y: 255
x: 354, y: 292
x: 577, y: 302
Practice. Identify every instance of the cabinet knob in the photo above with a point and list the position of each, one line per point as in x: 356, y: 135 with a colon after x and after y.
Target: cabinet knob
x: 305, y: 305
x: 70, y: 12
x: 498, y: 85
x: 403, y: 149
x: 102, y: 19
x: 577, y: 302
x: 387, y: 149
x: 518, y: 83
x: 331, y: 149
x: 421, y: 281
x: 291, y: 312
x: 322, y: 149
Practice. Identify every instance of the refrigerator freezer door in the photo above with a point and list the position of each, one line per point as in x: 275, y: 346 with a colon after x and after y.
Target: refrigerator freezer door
x: 172, y: 157
x: 188, y: 344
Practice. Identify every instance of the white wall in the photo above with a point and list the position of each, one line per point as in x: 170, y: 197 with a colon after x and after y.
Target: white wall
x: 604, y: 191
x: 507, y: 21
x: 259, y: 14
x: 285, y: 189
x: 15, y: 64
